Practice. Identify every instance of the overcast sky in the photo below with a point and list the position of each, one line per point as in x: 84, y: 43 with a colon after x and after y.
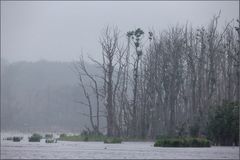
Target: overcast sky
x: 59, y: 31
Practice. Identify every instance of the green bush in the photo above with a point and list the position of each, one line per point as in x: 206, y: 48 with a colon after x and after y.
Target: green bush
x: 113, y: 140
x: 223, y: 125
x: 199, y: 142
x: 182, y: 142
x: 35, y: 138
x: 65, y: 137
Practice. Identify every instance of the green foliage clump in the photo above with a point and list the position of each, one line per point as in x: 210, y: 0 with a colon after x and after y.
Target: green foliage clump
x: 35, y: 138
x: 223, y: 125
x: 182, y: 142
x: 89, y: 135
x: 113, y: 140
x: 70, y: 138
x: 200, y: 142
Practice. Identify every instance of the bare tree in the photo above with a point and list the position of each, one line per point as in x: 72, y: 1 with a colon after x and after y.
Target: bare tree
x: 182, y: 73
x: 112, y: 54
x: 80, y: 69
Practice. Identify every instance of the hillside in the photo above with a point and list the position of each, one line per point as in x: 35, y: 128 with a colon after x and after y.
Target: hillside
x: 42, y: 96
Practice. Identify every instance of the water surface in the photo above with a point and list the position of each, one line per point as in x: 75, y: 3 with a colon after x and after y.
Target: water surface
x: 130, y: 150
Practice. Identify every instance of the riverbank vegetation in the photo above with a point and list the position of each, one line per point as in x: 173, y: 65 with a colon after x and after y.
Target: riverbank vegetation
x: 182, y: 142
x: 35, y: 138
x: 223, y: 124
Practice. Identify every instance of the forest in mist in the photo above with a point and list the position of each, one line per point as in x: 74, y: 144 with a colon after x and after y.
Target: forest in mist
x: 165, y: 83
x: 148, y: 83
x: 41, y: 96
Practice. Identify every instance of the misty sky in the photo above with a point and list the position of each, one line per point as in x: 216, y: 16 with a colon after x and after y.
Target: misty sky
x: 60, y: 30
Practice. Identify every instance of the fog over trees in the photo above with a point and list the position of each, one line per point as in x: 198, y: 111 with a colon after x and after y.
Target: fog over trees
x: 41, y: 96
x: 166, y: 83
x: 147, y: 84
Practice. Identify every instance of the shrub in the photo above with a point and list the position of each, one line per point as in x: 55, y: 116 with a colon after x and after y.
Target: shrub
x: 35, y: 138
x: 223, y: 125
x: 64, y: 137
x: 17, y: 139
x: 113, y: 140
x: 182, y: 142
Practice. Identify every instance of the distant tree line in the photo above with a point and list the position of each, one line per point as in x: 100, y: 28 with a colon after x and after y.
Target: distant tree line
x: 163, y: 84
x: 41, y: 97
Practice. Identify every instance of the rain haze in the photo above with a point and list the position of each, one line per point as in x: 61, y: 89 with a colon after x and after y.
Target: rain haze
x: 60, y: 31
x: 120, y: 79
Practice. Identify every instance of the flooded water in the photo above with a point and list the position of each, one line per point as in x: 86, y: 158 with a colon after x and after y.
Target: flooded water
x: 130, y: 150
